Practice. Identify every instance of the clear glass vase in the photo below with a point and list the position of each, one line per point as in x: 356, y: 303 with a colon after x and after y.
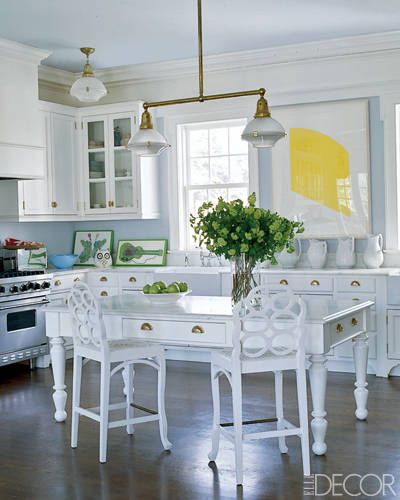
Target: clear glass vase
x: 242, y: 277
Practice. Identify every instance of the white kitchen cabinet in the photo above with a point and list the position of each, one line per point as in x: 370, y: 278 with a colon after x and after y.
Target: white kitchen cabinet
x: 393, y: 316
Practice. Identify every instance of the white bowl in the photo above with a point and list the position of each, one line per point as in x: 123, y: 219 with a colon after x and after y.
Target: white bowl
x: 165, y: 298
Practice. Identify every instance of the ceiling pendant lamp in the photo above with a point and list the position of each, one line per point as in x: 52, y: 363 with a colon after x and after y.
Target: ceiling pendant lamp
x: 262, y: 131
x: 88, y: 88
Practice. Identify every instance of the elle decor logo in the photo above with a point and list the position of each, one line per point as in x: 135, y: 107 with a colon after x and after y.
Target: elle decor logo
x: 350, y: 485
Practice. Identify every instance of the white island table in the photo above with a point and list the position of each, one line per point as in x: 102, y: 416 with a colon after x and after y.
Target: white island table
x: 207, y: 322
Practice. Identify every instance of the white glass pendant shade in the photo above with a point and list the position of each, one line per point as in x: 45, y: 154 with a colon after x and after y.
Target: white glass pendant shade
x: 147, y: 142
x: 88, y: 89
x: 263, y: 132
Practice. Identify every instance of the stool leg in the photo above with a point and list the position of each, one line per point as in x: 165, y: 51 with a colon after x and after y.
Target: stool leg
x: 161, y: 403
x: 104, y: 408
x: 76, y: 399
x: 130, y: 373
x: 216, y: 431
x: 279, y: 409
x: 303, y: 418
x: 237, y: 424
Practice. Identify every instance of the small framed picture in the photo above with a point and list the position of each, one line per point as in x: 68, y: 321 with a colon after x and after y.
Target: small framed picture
x: 141, y: 253
x: 88, y: 243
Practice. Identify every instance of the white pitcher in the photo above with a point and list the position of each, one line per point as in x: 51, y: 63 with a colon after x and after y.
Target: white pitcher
x: 345, y: 255
x: 317, y: 253
x: 289, y: 260
x: 373, y: 253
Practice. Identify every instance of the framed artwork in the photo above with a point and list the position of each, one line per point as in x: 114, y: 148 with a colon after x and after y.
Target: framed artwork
x: 88, y: 243
x: 141, y: 253
x: 320, y: 171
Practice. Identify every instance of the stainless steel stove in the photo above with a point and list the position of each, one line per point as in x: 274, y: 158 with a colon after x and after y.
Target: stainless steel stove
x: 23, y: 296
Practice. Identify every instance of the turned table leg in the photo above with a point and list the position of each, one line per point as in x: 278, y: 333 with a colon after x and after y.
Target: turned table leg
x: 318, y: 378
x: 360, y: 353
x: 57, y: 353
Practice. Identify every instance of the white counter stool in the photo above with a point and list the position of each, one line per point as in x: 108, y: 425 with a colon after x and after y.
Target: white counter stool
x: 268, y: 337
x: 90, y: 342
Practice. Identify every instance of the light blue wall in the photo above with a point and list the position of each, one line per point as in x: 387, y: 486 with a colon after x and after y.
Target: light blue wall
x: 58, y: 236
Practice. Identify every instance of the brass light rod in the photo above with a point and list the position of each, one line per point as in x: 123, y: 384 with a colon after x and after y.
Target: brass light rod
x: 201, y: 97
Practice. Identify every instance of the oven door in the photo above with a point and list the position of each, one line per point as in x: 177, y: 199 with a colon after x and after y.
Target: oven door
x: 22, y: 324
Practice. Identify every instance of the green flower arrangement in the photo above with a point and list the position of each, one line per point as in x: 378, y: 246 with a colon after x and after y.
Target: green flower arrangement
x: 237, y: 231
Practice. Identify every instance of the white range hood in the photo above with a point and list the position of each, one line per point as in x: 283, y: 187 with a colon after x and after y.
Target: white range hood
x: 22, y: 150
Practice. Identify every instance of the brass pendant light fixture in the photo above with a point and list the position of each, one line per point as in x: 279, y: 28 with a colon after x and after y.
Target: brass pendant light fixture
x: 88, y: 88
x: 262, y: 132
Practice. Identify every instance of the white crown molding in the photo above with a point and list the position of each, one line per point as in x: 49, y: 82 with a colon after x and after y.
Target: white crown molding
x: 339, y: 47
x: 18, y: 51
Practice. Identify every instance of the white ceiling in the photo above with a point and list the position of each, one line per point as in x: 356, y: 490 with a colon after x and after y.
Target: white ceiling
x: 133, y: 31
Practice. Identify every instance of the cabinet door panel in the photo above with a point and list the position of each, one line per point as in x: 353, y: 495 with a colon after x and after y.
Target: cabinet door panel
x: 63, y: 159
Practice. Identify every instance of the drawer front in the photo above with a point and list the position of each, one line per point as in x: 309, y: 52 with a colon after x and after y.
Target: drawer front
x: 104, y: 291
x: 135, y: 280
x: 102, y: 279
x: 66, y: 281
x: 176, y: 332
x: 345, y: 328
x: 355, y: 284
x: 299, y: 283
x: 360, y: 297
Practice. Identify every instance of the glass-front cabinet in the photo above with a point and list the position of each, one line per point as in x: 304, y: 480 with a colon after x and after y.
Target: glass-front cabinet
x: 111, y: 170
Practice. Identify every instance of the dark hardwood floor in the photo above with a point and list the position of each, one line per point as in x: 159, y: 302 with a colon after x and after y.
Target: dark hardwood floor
x: 36, y: 461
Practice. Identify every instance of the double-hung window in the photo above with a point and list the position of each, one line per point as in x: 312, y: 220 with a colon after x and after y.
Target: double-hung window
x: 214, y: 162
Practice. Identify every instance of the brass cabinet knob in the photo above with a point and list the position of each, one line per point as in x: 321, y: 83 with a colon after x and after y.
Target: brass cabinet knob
x: 57, y: 283
x: 103, y: 278
x: 77, y: 279
x: 284, y: 282
x: 53, y: 204
x: 198, y: 329
x: 354, y: 321
x: 146, y: 327
x: 339, y: 328
x: 132, y: 279
x: 315, y: 283
x: 110, y: 204
x: 355, y: 283
x: 104, y: 293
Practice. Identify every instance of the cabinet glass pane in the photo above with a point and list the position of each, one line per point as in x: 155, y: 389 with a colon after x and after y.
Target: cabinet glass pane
x: 97, y: 192
x: 122, y: 163
x: 122, y: 131
x: 124, y: 194
x: 95, y: 135
x: 97, y: 166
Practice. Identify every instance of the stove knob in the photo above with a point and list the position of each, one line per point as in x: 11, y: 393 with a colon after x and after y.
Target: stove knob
x: 13, y: 289
x: 2, y: 289
x: 33, y: 286
x: 46, y: 284
x: 23, y: 287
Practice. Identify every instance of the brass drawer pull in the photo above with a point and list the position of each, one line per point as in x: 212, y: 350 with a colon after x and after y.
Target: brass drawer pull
x: 355, y: 283
x: 57, y: 283
x: 103, y: 278
x: 77, y: 279
x: 53, y: 204
x: 315, y: 283
x: 339, y: 328
x: 104, y: 293
x: 354, y: 321
x: 110, y: 204
x: 146, y: 327
x: 132, y: 279
x: 284, y: 282
x: 198, y: 329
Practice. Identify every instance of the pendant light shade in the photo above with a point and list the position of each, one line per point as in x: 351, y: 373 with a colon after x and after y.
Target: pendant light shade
x: 147, y: 141
x: 263, y: 131
x: 88, y: 88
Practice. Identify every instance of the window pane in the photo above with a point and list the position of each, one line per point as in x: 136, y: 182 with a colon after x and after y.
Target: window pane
x: 218, y: 141
x: 238, y: 193
x: 196, y: 198
x: 236, y: 144
x: 219, y: 170
x: 214, y: 194
x: 239, y: 169
x: 198, y: 143
x: 199, y: 171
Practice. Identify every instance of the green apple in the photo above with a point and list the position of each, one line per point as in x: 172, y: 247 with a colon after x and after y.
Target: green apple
x: 173, y: 288
x: 183, y: 286
x: 154, y: 289
x: 146, y: 289
x: 161, y: 285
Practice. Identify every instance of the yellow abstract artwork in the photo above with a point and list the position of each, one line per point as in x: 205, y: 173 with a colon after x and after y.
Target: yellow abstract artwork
x: 320, y: 171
